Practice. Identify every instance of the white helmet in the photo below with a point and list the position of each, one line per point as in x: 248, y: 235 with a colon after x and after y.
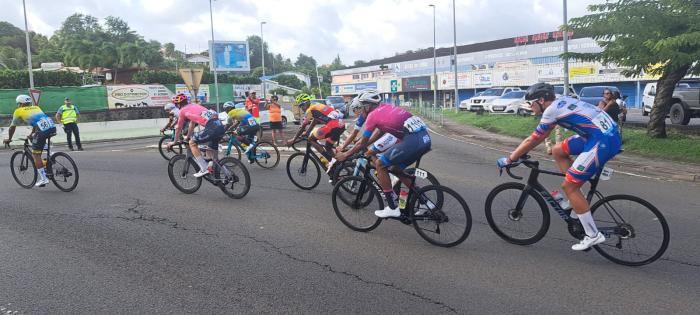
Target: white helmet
x: 370, y: 97
x: 169, y: 107
x: 355, y: 104
x: 229, y: 105
x: 23, y: 99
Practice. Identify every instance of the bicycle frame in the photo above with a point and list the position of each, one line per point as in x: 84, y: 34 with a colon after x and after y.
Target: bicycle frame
x: 217, y: 167
x: 233, y: 141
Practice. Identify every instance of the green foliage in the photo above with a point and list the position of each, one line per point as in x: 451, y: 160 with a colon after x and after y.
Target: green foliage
x: 16, y: 79
x: 290, y: 81
x: 172, y: 77
x: 279, y: 91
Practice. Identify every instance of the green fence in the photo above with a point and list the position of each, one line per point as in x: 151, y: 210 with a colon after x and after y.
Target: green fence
x: 86, y: 98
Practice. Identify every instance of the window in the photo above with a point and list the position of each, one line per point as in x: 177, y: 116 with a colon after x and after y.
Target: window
x: 355, y: 76
x: 365, y: 76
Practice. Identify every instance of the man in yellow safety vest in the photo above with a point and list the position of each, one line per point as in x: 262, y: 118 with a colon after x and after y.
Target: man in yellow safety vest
x: 67, y: 115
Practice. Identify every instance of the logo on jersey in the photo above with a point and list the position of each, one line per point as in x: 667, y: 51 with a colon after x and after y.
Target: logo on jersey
x: 572, y: 107
x: 561, y: 104
x: 581, y: 168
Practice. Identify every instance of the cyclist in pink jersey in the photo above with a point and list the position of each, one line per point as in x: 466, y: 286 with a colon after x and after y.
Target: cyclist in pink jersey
x: 212, y: 133
x: 412, y: 134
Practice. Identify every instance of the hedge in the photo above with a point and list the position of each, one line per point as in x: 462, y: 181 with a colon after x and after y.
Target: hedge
x: 172, y: 77
x: 17, y: 79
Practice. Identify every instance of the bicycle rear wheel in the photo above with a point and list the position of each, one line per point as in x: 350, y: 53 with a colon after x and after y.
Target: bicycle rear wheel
x: 181, y: 171
x: 523, y: 225
x: 636, y: 232
x: 354, y: 201
x: 163, y: 148
x: 64, y: 172
x: 235, y: 178
x: 445, y: 222
x: 266, y: 155
x: 23, y: 169
x: 303, y: 175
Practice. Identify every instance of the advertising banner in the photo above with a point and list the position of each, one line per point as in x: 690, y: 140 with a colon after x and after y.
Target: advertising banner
x: 132, y: 96
x: 415, y: 84
x: 203, y: 93
x: 482, y: 80
x: 240, y: 90
x: 446, y: 80
x: 229, y: 56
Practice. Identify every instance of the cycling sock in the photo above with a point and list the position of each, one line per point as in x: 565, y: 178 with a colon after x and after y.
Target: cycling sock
x: 42, y: 173
x: 202, y: 163
x: 390, y: 199
x: 588, y: 224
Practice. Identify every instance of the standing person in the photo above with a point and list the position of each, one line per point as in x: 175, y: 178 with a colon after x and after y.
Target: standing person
x: 610, y: 106
x: 275, y: 111
x: 252, y: 104
x: 68, y: 115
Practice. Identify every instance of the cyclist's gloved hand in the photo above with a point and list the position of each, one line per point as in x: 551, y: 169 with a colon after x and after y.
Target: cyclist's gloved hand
x: 503, y: 162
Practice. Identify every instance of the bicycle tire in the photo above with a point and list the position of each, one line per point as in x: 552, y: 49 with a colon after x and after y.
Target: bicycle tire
x: 163, y: 150
x: 439, y: 214
x: 177, y: 164
x: 541, y: 231
x: 432, y: 180
x: 342, y: 170
x: 272, y: 161
x: 62, y: 170
x: 233, y: 165
x: 606, y: 250
x: 297, y: 146
x: 298, y: 158
x: 25, y: 163
x: 372, y: 220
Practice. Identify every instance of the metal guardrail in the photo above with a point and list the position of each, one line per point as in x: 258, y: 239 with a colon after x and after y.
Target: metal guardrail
x: 435, y: 114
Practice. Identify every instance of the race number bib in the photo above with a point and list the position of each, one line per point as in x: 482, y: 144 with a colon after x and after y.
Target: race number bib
x: 252, y: 121
x: 414, y: 124
x: 208, y: 114
x: 335, y: 115
x: 603, y: 122
x: 44, y: 124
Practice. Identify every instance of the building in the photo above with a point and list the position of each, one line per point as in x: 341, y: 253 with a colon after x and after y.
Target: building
x: 518, y: 61
x: 198, y: 59
x: 302, y: 77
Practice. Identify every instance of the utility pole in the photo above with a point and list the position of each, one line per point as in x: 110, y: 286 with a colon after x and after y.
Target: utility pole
x: 435, y: 83
x: 262, y: 48
x: 318, y: 80
x: 211, y: 56
x: 566, y: 50
x: 454, y: 31
x: 29, y: 48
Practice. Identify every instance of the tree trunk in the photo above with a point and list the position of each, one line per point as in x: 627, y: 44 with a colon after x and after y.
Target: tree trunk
x: 662, y: 102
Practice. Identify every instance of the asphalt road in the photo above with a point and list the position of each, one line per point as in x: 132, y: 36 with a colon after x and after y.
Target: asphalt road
x: 126, y: 241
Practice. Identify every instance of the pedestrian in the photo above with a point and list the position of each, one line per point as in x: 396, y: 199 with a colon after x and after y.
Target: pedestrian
x: 68, y: 115
x: 275, y: 114
x: 610, y: 106
x: 252, y: 104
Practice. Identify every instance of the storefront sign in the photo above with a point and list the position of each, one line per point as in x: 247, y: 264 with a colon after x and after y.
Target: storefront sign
x: 482, y: 79
x: 416, y: 84
x: 130, y: 96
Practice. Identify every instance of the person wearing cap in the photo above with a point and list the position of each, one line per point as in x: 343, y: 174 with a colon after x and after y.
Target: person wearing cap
x: 252, y: 104
x: 68, y: 115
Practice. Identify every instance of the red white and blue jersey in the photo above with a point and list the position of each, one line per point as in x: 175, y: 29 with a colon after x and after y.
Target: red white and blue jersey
x: 588, y: 121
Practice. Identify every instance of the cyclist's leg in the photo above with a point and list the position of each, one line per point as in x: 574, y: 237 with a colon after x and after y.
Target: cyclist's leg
x: 563, y: 150
x: 317, y: 134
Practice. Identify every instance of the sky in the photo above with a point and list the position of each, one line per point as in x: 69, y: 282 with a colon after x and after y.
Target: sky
x: 353, y: 29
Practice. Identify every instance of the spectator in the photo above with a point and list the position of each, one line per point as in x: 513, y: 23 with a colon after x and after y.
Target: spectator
x: 68, y: 115
x: 610, y: 106
x: 275, y: 112
x: 252, y: 104
x: 622, y: 105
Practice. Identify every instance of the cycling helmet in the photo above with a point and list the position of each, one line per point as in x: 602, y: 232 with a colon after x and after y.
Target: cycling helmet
x: 355, y: 104
x: 538, y: 90
x: 369, y: 98
x: 303, y: 99
x: 23, y: 99
x: 229, y: 105
x: 169, y: 107
x: 179, y: 98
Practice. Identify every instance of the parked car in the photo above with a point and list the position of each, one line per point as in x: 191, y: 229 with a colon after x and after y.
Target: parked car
x: 559, y: 91
x: 685, y: 102
x: 508, y: 103
x: 338, y: 103
x: 287, y: 116
x: 594, y: 94
x: 482, y: 101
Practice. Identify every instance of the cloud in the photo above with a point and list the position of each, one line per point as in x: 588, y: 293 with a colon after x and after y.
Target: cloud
x: 356, y: 30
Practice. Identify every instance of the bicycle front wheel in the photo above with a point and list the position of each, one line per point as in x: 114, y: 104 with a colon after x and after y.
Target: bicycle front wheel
x: 64, y: 172
x: 440, y: 216
x: 23, y: 169
x: 517, y: 215
x: 354, y: 201
x: 235, y: 180
x: 266, y: 155
x: 636, y: 232
x: 303, y: 175
x: 163, y: 148
x: 181, y: 171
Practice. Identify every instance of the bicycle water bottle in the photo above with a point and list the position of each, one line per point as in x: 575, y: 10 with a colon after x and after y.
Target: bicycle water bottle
x: 559, y: 198
x: 359, y: 166
x: 210, y: 167
x: 403, y: 195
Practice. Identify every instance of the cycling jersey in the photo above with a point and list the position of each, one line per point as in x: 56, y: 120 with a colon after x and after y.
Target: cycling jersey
x: 195, y: 113
x: 360, y: 121
x: 321, y: 114
x: 392, y: 119
x: 243, y: 116
x: 34, y: 116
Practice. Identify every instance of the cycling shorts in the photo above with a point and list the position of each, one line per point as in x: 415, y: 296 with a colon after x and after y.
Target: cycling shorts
x: 212, y: 134
x: 592, y: 156
x: 248, y: 131
x: 384, y: 143
x: 40, y: 138
x: 330, y: 131
x: 408, y: 151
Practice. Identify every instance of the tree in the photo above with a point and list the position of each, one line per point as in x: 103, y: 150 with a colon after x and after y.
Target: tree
x: 337, y: 64
x: 359, y: 63
x: 659, y: 37
x: 290, y: 81
x: 169, y: 50
x: 255, y: 52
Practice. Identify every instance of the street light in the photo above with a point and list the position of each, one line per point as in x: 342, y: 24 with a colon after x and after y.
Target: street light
x: 262, y: 48
x: 211, y: 51
x: 29, y: 50
x: 434, y: 61
x: 454, y: 31
x: 566, y: 50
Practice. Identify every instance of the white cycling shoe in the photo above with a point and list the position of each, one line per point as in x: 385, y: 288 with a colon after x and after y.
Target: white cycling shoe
x: 587, y: 242
x: 41, y: 182
x: 201, y: 173
x: 425, y: 207
x: 388, y: 212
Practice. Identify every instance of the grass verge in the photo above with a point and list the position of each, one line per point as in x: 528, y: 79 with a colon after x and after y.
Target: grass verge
x: 677, y: 147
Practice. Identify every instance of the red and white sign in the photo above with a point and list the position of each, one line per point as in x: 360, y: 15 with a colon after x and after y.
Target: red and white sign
x: 35, y: 95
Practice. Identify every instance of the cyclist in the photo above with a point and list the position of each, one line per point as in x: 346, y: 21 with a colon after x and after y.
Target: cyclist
x: 43, y: 128
x: 239, y: 117
x: 596, y: 142
x: 173, y: 112
x: 414, y: 143
x: 212, y: 133
x: 381, y: 145
x: 333, y: 126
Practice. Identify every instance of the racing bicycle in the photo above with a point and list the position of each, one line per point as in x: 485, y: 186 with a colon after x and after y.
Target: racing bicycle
x: 60, y: 168
x: 163, y: 145
x: 636, y: 232
x: 304, y: 167
x: 264, y: 153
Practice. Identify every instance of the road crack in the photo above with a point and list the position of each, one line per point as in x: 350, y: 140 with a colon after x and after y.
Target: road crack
x: 140, y: 216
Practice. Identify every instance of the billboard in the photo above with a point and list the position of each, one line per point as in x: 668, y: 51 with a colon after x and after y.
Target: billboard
x: 203, y: 93
x: 416, y: 84
x: 229, y: 56
x: 240, y: 90
x: 130, y: 96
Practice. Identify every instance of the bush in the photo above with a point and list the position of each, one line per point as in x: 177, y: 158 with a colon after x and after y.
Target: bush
x: 18, y: 79
x: 173, y: 77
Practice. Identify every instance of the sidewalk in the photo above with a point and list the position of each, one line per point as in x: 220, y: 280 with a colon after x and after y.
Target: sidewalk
x: 626, y: 163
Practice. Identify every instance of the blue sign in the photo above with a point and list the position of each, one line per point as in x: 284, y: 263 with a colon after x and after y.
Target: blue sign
x: 366, y: 86
x: 229, y: 56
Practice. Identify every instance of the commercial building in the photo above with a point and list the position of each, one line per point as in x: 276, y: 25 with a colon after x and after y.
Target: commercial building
x: 519, y: 61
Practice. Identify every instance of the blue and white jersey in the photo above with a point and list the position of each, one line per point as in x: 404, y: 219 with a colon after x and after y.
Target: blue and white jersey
x: 586, y: 120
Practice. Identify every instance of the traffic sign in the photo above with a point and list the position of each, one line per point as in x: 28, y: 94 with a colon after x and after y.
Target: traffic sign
x: 35, y: 95
x: 192, y: 78
x: 394, y: 86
